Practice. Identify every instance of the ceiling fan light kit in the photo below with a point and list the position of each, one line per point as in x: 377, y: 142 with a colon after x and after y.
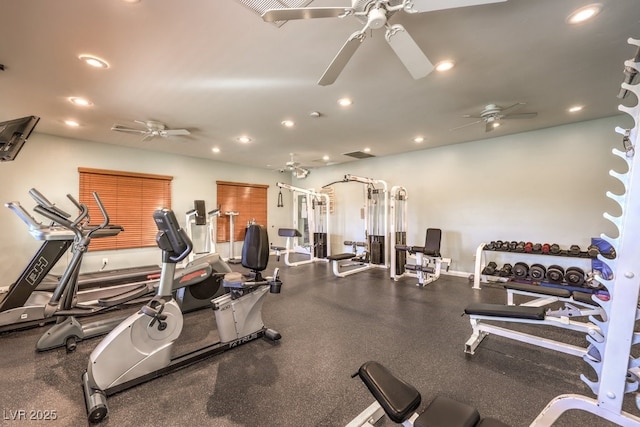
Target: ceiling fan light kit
x: 375, y: 14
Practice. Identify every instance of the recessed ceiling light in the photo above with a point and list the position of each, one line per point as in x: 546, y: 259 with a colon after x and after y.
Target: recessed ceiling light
x: 325, y: 158
x: 445, y: 65
x: 288, y: 123
x: 215, y: 149
x: 366, y: 150
x: 244, y: 139
x: 131, y: 1
x: 80, y: 101
x: 71, y: 123
x: 418, y: 139
x: 576, y: 108
x: 584, y: 13
x: 94, y: 61
x: 345, y: 102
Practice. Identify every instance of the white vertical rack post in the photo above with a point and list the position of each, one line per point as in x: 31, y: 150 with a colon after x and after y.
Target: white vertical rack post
x: 618, y: 372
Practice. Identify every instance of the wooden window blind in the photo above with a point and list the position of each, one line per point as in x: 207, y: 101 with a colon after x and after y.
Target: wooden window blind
x: 249, y: 200
x: 130, y: 199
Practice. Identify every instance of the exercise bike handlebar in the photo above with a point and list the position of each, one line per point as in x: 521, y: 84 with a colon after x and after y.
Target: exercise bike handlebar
x: 43, y: 201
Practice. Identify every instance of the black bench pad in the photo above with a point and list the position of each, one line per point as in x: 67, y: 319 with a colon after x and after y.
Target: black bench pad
x: 340, y: 257
x: 584, y: 297
x: 445, y: 412
x: 289, y: 232
x: 543, y: 290
x: 500, y: 310
x: 398, y: 398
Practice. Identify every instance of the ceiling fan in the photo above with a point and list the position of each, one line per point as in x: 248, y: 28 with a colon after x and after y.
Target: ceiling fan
x: 295, y: 168
x: 375, y: 14
x: 153, y: 129
x: 492, y: 114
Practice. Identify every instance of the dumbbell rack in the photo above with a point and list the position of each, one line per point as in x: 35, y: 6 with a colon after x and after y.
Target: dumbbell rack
x: 480, y: 261
x: 618, y: 372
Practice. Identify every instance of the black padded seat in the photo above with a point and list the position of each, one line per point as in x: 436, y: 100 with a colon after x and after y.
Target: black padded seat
x: 432, y: 242
x: 289, y: 232
x: 583, y: 297
x: 398, y: 398
x: 543, y: 290
x: 340, y: 257
x: 511, y: 311
x: 445, y: 412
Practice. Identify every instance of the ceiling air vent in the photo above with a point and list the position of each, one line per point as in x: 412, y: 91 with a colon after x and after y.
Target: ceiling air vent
x: 358, y: 155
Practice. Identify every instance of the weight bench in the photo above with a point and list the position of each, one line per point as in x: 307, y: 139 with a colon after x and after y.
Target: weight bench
x: 479, y: 314
x: 428, y: 259
x: 399, y: 400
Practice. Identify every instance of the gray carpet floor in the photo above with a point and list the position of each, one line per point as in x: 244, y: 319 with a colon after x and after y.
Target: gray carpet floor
x: 329, y: 327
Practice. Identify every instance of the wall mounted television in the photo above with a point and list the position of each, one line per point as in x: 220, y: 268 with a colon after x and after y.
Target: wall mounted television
x: 13, y: 135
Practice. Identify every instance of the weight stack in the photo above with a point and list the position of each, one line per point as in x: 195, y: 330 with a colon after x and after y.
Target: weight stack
x: 320, y: 242
x: 401, y: 256
x: 376, y: 246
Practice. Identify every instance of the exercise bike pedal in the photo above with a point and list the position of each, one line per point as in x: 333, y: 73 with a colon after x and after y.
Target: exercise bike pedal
x: 272, y: 334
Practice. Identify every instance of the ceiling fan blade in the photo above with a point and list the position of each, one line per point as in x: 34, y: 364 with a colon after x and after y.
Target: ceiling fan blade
x: 520, y: 116
x: 121, y: 128
x: 417, y: 6
x: 469, y: 116
x: 174, y: 132
x: 414, y: 60
x: 287, y: 14
x: 465, y: 125
x: 512, y: 108
x: 340, y: 61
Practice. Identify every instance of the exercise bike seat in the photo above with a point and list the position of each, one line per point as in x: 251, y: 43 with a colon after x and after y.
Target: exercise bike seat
x: 398, y: 398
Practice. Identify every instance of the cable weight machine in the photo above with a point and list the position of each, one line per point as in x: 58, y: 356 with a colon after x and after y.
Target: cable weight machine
x: 314, y: 208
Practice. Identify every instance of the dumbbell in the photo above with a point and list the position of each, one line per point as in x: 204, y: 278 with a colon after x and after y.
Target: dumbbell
x: 537, y: 271
x: 555, y: 274
x: 574, y: 250
x: 574, y: 276
x: 537, y: 248
x: 555, y: 249
x: 545, y: 248
x: 520, y: 270
x: 490, y: 268
x: 593, y: 251
x: 490, y: 246
x: 506, y: 270
x: 528, y: 247
x: 520, y: 246
x: 512, y: 245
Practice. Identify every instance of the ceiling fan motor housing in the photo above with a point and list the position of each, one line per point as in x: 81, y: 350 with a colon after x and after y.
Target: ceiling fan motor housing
x: 377, y: 18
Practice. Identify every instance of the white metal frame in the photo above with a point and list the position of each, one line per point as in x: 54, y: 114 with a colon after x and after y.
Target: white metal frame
x: 291, y: 242
x: 398, y: 202
x: 617, y: 372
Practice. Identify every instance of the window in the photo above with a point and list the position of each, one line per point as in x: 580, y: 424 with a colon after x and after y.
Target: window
x: 130, y: 199
x: 249, y: 200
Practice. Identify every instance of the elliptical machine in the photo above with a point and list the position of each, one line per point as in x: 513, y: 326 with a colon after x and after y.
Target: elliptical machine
x: 139, y: 349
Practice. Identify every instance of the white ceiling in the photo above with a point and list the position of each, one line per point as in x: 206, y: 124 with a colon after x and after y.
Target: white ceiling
x: 215, y: 68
